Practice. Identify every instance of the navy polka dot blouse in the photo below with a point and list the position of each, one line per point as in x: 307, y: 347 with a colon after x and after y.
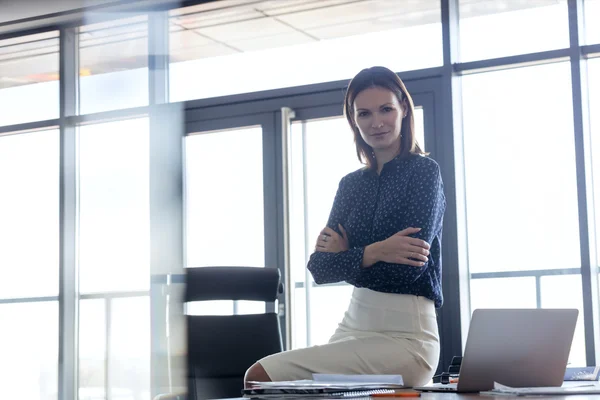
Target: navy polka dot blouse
x: 408, y: 193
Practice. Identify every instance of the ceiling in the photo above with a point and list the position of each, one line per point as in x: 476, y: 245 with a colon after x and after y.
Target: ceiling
x: 227, y: 27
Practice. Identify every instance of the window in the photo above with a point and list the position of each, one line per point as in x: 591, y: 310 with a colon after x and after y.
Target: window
x: 282, y: 44
x: 569, y: 286
x: 114, y: 260
x: 520, y: 170
x: 29, y: 78
x: 521, y: 190
x: 114, y: 213
x: 594, y: 112
x: 92, y: 349
x: 29, y: 214
x: 113, y: 65
x: 591, y: 11
x: 224, y: 198
x: 29, y: 348
x: 498, y: 28
x: 493, y: 293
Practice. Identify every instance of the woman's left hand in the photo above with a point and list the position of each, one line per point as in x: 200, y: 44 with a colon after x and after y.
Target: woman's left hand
x: 330, y: 241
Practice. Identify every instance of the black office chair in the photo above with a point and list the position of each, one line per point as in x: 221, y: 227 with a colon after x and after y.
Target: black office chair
x: 220, y: 348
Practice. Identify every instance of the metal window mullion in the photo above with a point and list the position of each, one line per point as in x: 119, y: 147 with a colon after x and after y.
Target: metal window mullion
x: 307, y: 248
x: 584, y: 183
x: 158, y: 57
x: 68, y: 277
x: 107, y: 348
x: 455, y: 313
x: 538, y: 292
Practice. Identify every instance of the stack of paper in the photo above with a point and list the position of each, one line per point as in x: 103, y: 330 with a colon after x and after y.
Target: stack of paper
x: 543, y: 391
x: 329, y: 386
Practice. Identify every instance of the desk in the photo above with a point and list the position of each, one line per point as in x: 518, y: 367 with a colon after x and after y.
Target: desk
x: 476, y: 396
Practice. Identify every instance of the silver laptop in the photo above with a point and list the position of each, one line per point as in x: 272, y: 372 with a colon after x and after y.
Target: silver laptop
x: 514, y: 347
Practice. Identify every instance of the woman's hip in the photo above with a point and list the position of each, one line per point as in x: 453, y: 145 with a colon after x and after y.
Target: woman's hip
x: 394, y: 315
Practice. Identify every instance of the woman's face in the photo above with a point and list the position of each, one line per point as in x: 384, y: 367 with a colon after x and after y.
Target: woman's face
x: 378, y: 115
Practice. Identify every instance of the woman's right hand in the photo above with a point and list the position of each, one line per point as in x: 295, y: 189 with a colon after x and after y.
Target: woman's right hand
x: 403, y: 249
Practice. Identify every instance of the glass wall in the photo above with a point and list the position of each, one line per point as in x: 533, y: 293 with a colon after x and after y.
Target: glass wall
x: 520, y: 178
x: 521, y: 189
x: 484, y: 33
x: 29, y: 263
x: 114, y: 258
x: 292, y: 43
x: 113, y: 61
x: 29, y: 78
x: 224, y: 207
x: 594, y: 113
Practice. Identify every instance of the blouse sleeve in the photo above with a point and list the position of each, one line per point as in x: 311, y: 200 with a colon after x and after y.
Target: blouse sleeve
x: 336, y: 267
x: 424, y: 209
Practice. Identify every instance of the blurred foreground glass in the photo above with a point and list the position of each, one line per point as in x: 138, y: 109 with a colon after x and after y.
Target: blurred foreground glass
x: 231, y: 46
x: 29, y: 214
x: 500, y: 28
x: 113, y: 64
x: 520, y: 178
x: 29, y: 78
x: 114, y: 206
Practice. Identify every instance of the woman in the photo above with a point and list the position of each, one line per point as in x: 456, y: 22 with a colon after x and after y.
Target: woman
x: 384, y: 237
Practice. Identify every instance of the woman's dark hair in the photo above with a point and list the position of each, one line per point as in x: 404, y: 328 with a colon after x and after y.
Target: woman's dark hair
x: 386, y: 79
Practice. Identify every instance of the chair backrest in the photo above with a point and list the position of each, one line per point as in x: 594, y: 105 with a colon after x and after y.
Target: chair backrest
x: 222, y: 347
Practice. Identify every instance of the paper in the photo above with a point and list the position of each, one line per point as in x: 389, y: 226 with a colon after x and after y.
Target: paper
x: 325, y: 385
x: 500, y: 389
x: 309, y: 388
x: 369, y: 379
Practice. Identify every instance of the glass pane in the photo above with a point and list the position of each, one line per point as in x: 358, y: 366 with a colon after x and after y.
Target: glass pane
x: 114, y: 211
x: 498, y: 28
x: 571, y: 296
x: 277, y: 43
x: 224, y: 200
x: 92, y: 349
x: 29, y: 214
x: 299, y: 321
x: 328, y: 305
x: 29, y: 78
x: 594, y: 114
x: 498, y: 293
x: 113, y: 65
x: 29, y: 349
x: 129, y: 372
x: 591, y: 11
x: 520, y: 169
